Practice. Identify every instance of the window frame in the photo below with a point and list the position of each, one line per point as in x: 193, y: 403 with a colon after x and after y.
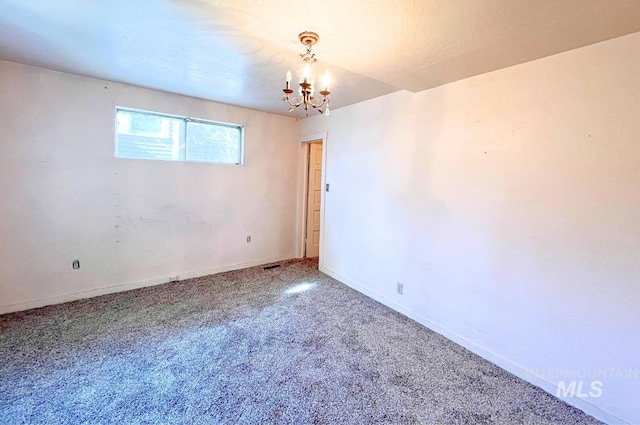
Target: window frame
x: 184, y: 135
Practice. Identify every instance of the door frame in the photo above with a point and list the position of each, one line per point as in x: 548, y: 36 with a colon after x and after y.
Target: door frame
x: 303, y: 186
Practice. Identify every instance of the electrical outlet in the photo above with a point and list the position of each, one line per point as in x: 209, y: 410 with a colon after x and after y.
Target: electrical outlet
x: 248, y: 239
x: 399, y: 288
x: 75, y: 264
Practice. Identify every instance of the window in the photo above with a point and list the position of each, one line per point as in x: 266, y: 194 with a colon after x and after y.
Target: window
x: 151, y: 135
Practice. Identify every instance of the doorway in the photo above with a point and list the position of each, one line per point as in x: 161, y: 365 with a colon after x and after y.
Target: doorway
x: 313, y: 199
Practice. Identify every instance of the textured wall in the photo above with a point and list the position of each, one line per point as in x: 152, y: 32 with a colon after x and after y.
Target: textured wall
x: 129, y: 222
x: 508, y: 205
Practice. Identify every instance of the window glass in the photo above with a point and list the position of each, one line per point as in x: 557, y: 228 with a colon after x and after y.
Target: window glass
x: 151, y: 135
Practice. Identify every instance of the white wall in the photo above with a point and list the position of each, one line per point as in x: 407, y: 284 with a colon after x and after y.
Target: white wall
x: 63, y: 195
x: 509, y: 206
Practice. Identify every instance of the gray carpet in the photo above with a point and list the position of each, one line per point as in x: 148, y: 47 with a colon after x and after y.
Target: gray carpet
x: 238, y: 348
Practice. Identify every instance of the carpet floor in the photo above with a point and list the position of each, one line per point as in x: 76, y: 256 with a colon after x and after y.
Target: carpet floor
x: 254, y: 346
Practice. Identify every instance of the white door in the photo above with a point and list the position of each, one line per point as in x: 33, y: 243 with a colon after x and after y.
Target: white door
x: 313, y: 200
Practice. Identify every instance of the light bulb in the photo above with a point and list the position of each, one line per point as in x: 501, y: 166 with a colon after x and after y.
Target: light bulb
x: 288, y: 84
x: 326, y: 81
x: 306, y: 73
x: 327, y: 111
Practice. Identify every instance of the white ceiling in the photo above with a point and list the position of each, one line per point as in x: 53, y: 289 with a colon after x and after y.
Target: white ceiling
x: 237, y: 51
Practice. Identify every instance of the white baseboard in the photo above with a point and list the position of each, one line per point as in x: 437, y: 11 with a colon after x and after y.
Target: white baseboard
x: 59, y: 299
x: 483, y: 352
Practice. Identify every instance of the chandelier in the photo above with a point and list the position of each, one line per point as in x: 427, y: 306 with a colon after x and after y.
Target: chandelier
x: 307, y: 80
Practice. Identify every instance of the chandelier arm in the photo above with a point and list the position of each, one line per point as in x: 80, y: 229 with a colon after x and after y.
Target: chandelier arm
x: 316, y: 103
x: 294, y: 101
